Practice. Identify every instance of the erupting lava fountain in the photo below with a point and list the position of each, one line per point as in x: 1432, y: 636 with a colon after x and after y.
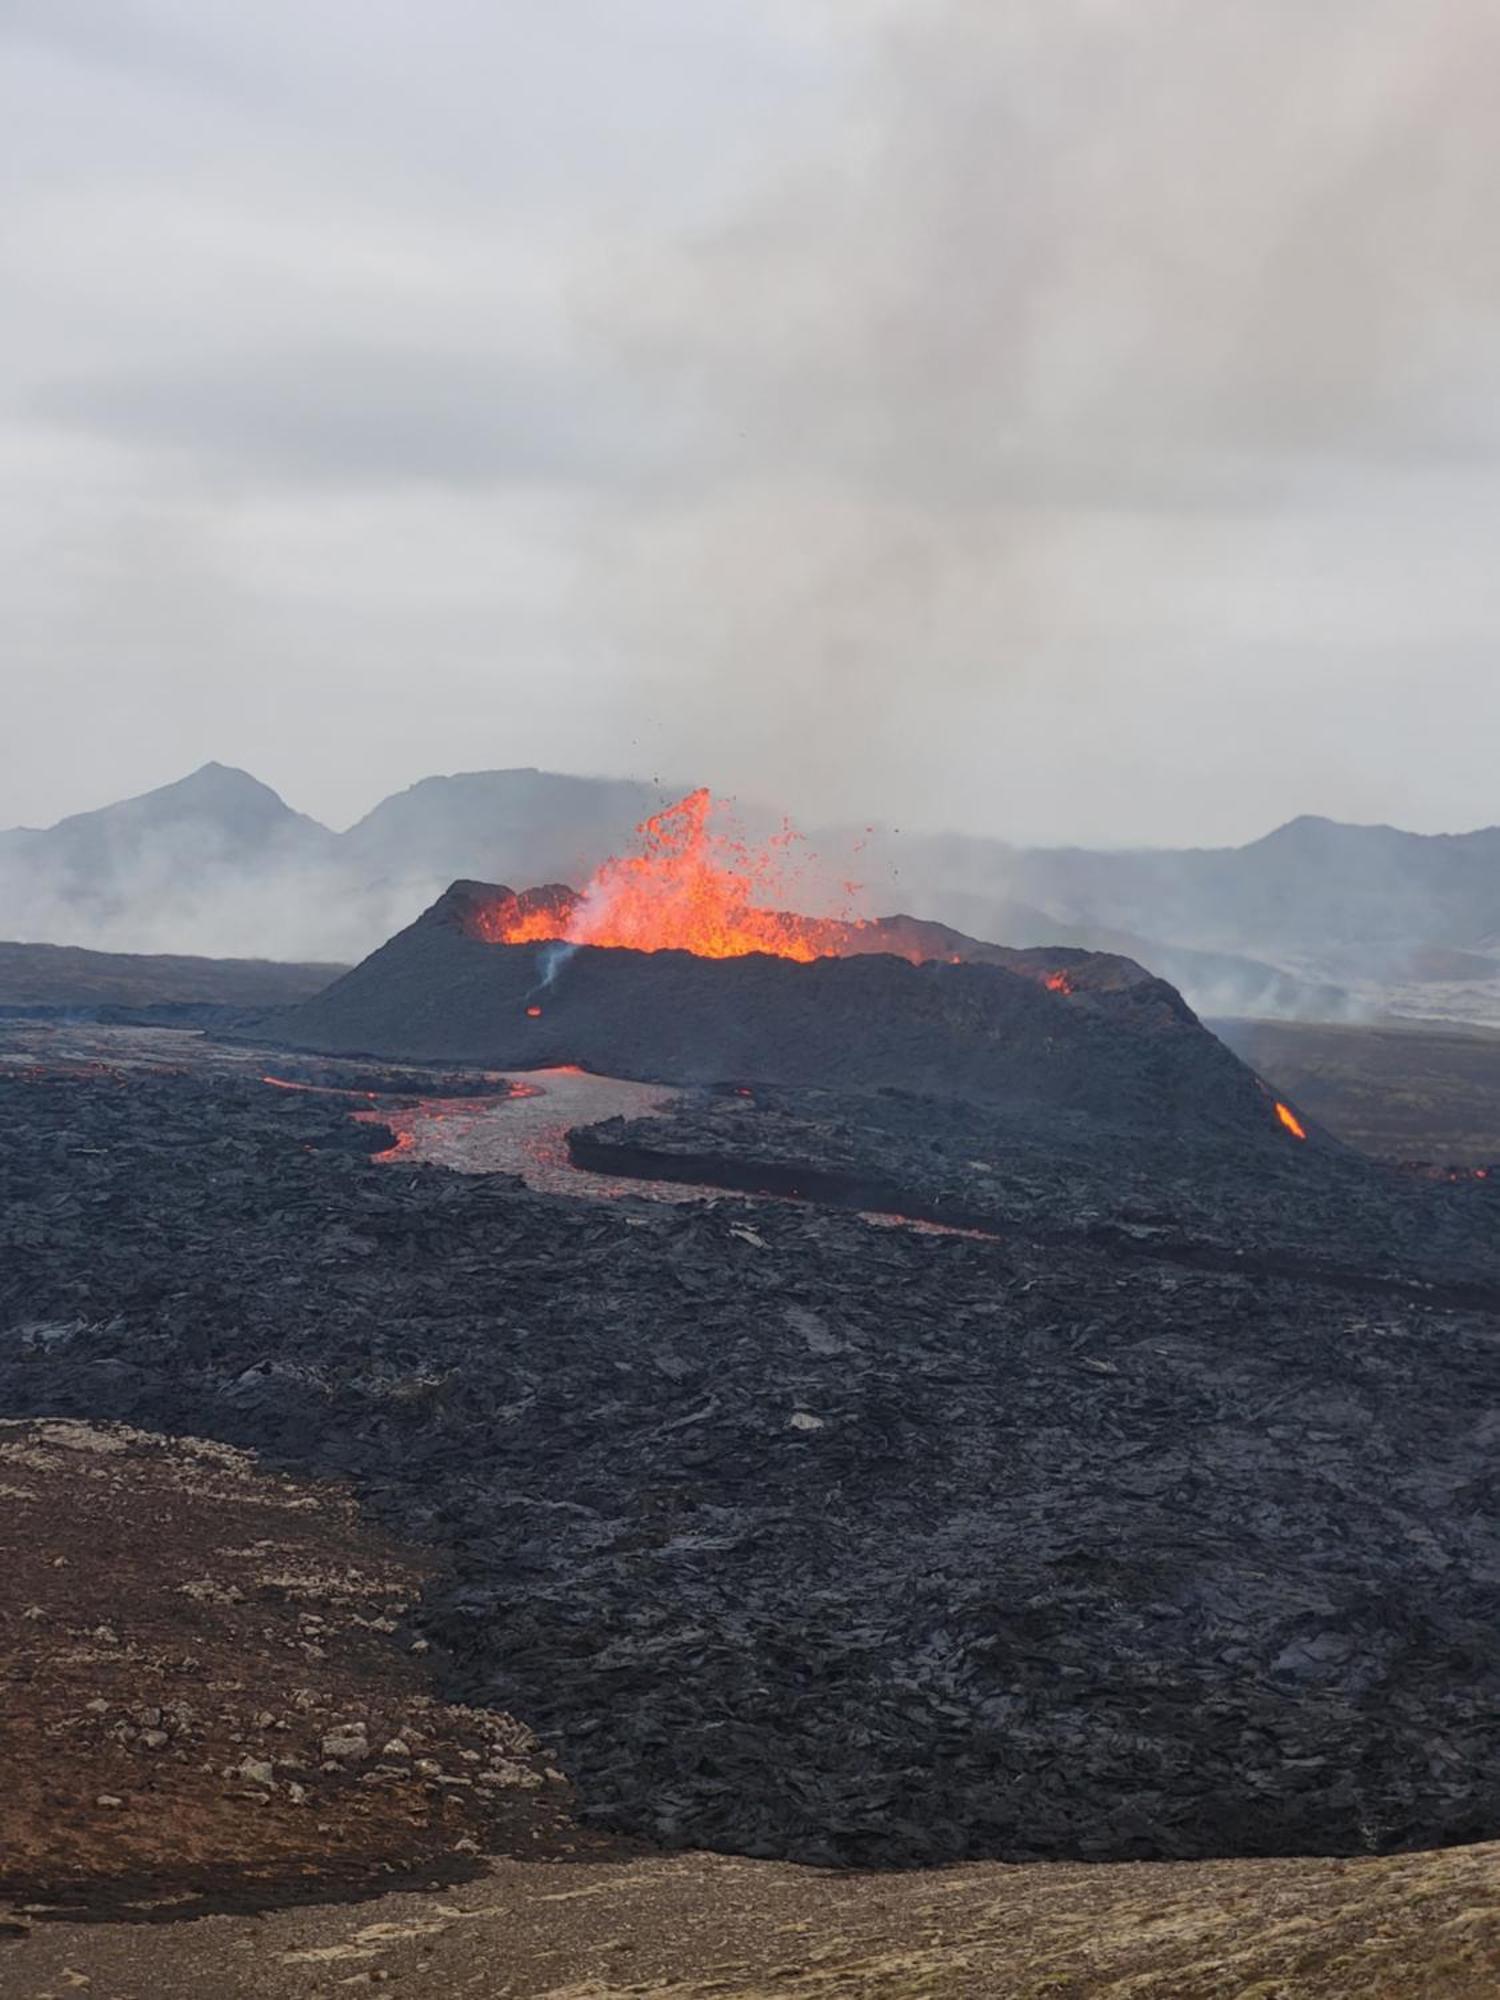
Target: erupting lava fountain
x: 691, y: 888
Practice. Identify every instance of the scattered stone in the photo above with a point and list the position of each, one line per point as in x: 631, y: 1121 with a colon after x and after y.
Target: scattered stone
x: 346, y: 1744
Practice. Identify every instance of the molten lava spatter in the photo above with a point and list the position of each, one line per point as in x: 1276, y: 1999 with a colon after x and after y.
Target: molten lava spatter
x: 689, y: 889
x: 695, y: 888
x: 1291, y: 1121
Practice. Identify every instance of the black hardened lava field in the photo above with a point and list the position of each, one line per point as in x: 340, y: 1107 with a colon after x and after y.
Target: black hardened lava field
x: 1147, y: 1508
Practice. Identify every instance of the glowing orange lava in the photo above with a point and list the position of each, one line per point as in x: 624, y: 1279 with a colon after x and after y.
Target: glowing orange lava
x: 691, y: 888
x: 1291, y: 1121
x: 317, y: 1089
x: 695, y: 888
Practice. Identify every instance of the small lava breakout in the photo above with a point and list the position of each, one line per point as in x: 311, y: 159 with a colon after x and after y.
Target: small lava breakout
x: 1290, y: 1120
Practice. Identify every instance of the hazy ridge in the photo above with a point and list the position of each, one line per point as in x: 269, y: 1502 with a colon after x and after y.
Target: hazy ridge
x: 1318, y: 918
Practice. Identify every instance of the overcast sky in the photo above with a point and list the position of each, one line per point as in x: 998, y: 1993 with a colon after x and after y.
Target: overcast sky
x: 1066, y: 419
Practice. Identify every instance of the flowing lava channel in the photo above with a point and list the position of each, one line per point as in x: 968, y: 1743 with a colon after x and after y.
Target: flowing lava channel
x: 691, y: 888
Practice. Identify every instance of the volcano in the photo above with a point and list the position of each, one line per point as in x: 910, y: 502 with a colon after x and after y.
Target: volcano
x: 916, y: 1007
x: 676, y: 965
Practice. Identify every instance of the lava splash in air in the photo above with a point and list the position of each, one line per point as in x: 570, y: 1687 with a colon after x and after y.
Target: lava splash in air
x: 691, y: 888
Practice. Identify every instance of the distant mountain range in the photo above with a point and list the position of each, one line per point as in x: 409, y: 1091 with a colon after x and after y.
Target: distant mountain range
x: 218, y: 863
x: 1317, y: 918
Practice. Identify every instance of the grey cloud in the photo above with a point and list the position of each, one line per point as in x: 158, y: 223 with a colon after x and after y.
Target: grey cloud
x: 127, y: 36
x: 1070, y: 418
x: 368, y: 418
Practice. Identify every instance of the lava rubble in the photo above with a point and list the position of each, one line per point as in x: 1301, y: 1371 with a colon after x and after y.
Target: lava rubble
x: 798, y: 1536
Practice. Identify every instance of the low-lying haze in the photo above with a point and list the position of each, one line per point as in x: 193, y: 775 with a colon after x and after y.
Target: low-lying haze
x: 1074, y: 420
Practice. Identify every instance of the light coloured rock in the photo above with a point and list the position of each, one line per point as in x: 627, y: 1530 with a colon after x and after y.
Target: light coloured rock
x: 512, y: 1777
x: 348, y: 1744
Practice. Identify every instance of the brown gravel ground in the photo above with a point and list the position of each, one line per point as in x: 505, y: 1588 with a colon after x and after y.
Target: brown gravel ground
x: 708, y: 1927
x: 206, y: 1698
x: 185, y: 1634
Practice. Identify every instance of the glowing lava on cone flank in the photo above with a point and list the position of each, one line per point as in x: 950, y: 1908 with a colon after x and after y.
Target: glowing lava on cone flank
x: 1291, y: 1121
x: 691, y: 888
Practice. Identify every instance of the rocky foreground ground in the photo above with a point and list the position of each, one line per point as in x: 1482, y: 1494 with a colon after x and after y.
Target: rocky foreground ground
x: 228, y: 1775
x: 211, y: 1694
